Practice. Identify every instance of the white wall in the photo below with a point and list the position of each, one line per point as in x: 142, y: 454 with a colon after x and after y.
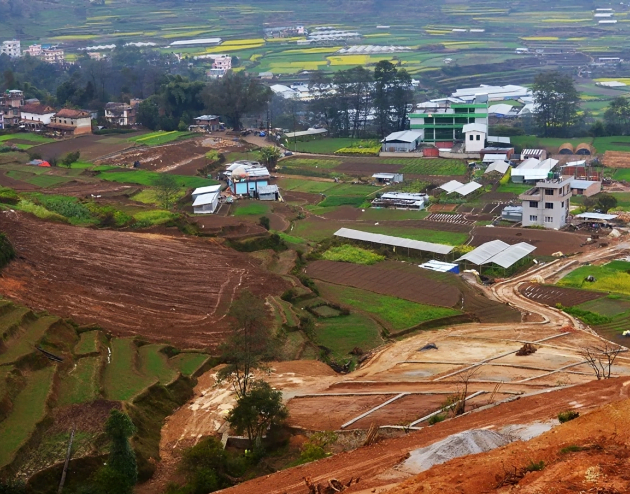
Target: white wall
x: 475, y: 141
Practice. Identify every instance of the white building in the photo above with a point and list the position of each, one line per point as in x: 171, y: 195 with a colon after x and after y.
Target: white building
x: 547, y: 204
x: 53, y: 55
x: 34, y: 50
x: 35, y: 116
x: 404, y: 141
x: 11, y: 48
x: 475, y: 137
x: 206, y: 203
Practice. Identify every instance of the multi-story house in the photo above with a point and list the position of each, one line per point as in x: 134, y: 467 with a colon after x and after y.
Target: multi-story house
x: 11, y: 48
x: 71, y: 122
x: 53, y: 55
x: 444, y: 119
x: 120, y: 113
x: 36, y: 116
x: 547, y: 203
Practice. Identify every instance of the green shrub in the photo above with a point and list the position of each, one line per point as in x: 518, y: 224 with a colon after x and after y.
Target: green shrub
x: 66, y: 206
x: 146, y: 219
x: 8, y: 196
x: 567, y: 416
x: 349, y: 253
x: 535, y: 466
x: 571, y: 449
x: 590, y: 318
x: 436, y: 418
x: 316, y: 447
x: 6, y: 251
x: 39, y: 211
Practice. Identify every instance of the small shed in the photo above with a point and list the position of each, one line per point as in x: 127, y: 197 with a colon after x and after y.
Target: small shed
x: 585, y: 188
x: 404, y: 141
x: 199, y: 191
x: 441, y: 267
x: 475, y: 135
x: 206, y: 203
x: 512, y: 213
x: 268, y: 193
x: 388, y: 178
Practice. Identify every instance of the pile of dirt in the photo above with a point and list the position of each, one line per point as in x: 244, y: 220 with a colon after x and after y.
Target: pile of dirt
x: 465, y: 443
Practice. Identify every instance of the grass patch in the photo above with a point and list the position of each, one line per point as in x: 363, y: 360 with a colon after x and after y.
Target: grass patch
x: 514, y: 188
x: 34, y: 138
x: 81, y: 384
x: 401, y: 314
x: 122, y: 380
x: 611, y: 277
x: 148, y: 178
x: 335, y: 201
x: 147, y: 219
x: 590, y: 318
x: 253, y: 208
x: 290, y: 239
x: 324, y: 163
x: 29, y: 408
x: 342, y: 334
x: 88, y: 343
x: 161, y: 137
x: 188, y: 363
x: 321, y: 146
x: 24, y: 342
x: 349, y: 253
x: 155, y: 363
x: 387, y: 214
x: 606, y: 306
x: 149, y: 196
x: 66, y: 206
x: 39, y: 211
x: 309, y: 186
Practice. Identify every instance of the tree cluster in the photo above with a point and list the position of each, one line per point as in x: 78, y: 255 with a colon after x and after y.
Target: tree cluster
x: 362, y: 101
x: 558, y: 103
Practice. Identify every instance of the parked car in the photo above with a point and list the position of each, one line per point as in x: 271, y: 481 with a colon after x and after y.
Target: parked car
x: 262, y: 134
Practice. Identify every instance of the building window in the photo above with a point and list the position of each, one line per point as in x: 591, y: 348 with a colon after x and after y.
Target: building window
x: 471, y: 137
x: 562, y: 204
x: 548, y: 219
x: 549, y: 205
x: 533, y: 204
x: 548, y: 192
x: 533, y: 217
x: 478, y: 137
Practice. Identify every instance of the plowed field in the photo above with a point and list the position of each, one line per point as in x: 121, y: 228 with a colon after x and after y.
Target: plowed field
x: 552, y: 295
x: 159, y: 287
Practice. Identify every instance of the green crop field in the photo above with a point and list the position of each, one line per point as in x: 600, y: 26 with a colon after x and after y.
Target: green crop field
x: 428, y: 166
x: 88, y: 343
x: 350, y: 253
x: 514, y: 188
x: 612, y: 143
x: 334, y: 201
x: 81, y: 384
x: 323, y: 163
x: 161, y: 137
x: 607, y: 306
x: 399, y: 313
x: 24, y: 136
x: 29, y: 408
x: 23, y: 343
x: 148, y: 178
x: 321, y: 146
x: 251, y: 208
x: 342, y: 334
x: 188, y: 363
x: 155, y: 363
x: 386, y: 214
x: 122, y: 379
x: 611, y: 277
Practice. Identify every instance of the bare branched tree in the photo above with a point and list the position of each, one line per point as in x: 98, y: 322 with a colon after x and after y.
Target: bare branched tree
x: 602, y: 358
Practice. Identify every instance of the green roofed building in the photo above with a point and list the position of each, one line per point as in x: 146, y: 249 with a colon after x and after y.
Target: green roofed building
x: 444, y: 119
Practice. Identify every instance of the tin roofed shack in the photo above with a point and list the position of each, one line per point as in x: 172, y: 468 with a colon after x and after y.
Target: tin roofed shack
x: 245, y: 179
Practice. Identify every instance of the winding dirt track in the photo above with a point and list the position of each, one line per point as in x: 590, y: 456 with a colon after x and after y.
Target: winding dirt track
x: 159, y: 287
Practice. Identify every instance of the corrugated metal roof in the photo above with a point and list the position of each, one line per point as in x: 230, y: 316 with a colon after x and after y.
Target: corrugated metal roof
x: 499, y: 253
x: 475, y: 127
x: 309, y: 132
x: 582, y: 184
x: 267, y: 189
x: 512, y: 255
x: 499, y: 166
x: 451, y: 186
x: 204, y: 199
x: 532, y: 152
x: 596, y: 216
x: 494, y: 157
x: 464, y: 190
x: 439, y: 266
x: 393, y: 241
x: 404, y: 136
x: 484, y: 252
x: 384, y: 175
x: 206, y: 190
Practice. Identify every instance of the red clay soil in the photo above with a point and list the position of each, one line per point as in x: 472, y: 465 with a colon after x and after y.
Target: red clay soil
x: 344, y: 213
x: 162, y: 288
x: 15, y: 184
x: 552, y: 295
x: 188, y: 155
x: 546, y: 241
x: 481, y: 473
x: 437, y: 208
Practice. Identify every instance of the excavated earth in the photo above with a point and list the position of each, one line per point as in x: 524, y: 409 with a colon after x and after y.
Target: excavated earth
x: 159, y: 287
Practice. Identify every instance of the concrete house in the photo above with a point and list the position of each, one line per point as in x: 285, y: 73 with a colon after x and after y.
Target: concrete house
x: 209, y: 123
x: 547, y: 204
x: 268, y: 193
x: 71, y: 122
x: 585, y: 188
x: 246, y: 180
x: 475, y: 137
x: 11, y: 48
x: 120, y: 113
x: 35, y: 116
x: 387, y: 178
x: 405, y: 141
x: 206, y: 203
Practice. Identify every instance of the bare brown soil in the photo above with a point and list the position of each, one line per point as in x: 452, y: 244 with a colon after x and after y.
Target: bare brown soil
x: 436, y: 208
x: 477, y: 473
x: 91, y: 146
x: 546, y: 242
x: 303, y: 198
x: 552, y: 295
x: 616, y: 159
x: 15, y: 184
x: 354, y: 168
x: 162, y: 288
x: 339, y: 409
x: 344, y: 213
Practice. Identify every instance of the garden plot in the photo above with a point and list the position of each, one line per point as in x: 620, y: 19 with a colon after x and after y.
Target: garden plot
x: 552, y: 295
x: 457, y: 219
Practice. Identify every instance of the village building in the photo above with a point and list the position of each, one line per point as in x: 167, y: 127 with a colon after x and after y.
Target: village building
x: 206, y: 123
x: 33, y: 50
x: 1, y: 119
x: 245, y: 179
x: 36, y: 116
x: 71, y: 122
x: 531, y: 170
x: 11, y: 48
x: 401, y: 200
x: 387, y: 178
x: 53, y: 55
x: 122, y: 114
x: 404, y: 141
x: 586, y: 188
x: 474, y: 137
x: 13, y: 98
x: 547, y: 204
x: 268, y: 193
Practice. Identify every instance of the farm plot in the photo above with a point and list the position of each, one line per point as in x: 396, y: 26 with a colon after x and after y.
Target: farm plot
x: 611, y: 277
x: 90, y: 274
x: 161, y: 137
x: 458, y: 219
x: 91, y: 146
x: 552, y: 295
x: 23, y: 342
x: 82, y: 383
x: 188, y: 363
x: 616, y: 159
x: 411, y: 284
x: 428, y: 166
x: 342, y: 334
